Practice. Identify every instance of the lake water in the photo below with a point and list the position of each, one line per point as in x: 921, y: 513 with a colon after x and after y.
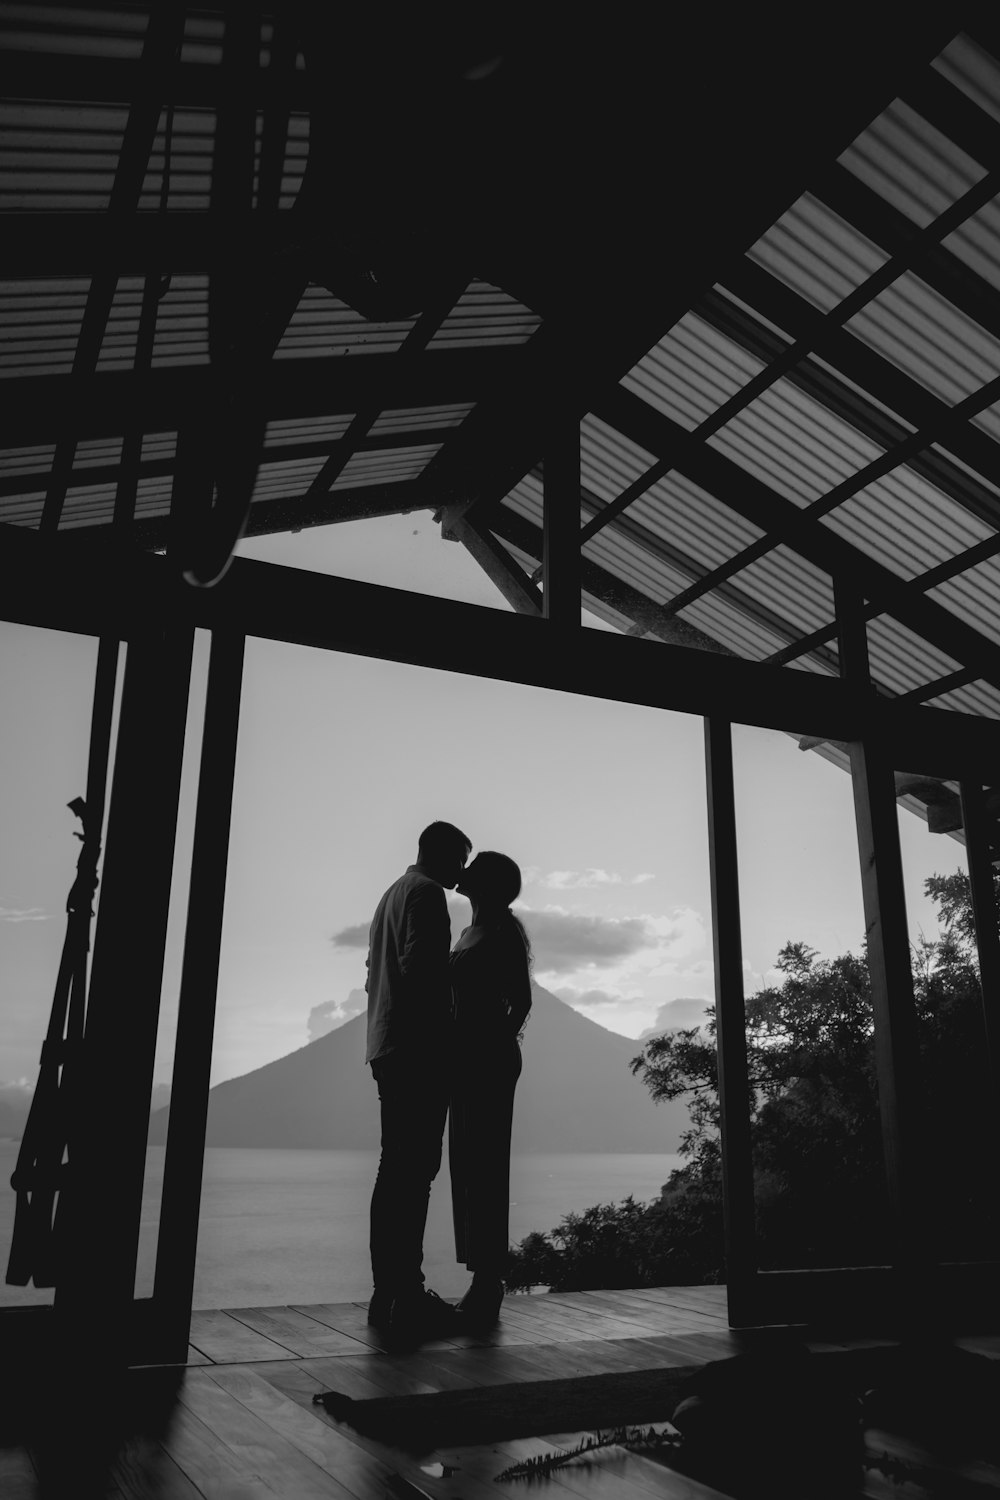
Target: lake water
x: 292, y: 1226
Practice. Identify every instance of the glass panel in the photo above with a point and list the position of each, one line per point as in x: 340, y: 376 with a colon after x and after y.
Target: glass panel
x: 47, y: 686
x: 341, y: 762
x: 818, y: 1176
x: 956, y: 1102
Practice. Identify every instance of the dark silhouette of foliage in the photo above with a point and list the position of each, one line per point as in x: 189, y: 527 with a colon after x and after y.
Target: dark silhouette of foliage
x: 818, y: 1175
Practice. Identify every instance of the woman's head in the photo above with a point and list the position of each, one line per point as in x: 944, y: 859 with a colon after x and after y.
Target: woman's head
x: 492, y: 879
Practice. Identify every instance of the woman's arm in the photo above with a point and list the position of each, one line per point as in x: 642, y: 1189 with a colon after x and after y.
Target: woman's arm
x: 518, y: 980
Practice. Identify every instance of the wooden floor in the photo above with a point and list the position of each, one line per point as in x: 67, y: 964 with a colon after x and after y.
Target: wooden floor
x: 238, y: 1422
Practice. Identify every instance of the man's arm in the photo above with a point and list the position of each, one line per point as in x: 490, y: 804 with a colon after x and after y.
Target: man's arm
x: 423, y: 953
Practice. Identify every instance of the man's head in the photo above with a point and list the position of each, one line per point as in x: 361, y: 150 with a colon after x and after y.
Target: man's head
x: 442, y: 851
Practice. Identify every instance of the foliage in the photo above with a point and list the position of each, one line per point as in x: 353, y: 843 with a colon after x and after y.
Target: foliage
x: 816, y: 1129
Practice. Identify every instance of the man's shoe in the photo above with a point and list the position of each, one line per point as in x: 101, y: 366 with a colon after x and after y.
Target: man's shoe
x: 424, y: 1315
x: 380, y: 1310
x: 479, y: 1309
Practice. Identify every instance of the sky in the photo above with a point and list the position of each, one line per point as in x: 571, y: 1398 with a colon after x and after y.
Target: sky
x: 342, y: 760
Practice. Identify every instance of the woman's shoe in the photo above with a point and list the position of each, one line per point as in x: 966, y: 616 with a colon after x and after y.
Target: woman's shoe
x: 480, y: 1307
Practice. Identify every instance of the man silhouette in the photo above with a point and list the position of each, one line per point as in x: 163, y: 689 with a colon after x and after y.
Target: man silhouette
x: 409, y: 1013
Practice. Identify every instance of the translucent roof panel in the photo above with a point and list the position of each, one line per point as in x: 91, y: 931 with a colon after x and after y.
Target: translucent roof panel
x: 976, y: 243
x: 40, y: 324
x: 974, y: 71
x: 680, y: 513
x: 691, y: 372
x: 416, y: 418
x: 790, y: 586
x: 17, y: 461
x: 634, y: 564
x: 609, y: 462
x: 189, y: 164
x: 794, y: 444
x: 485, y: 316
x: 928, y: 338
x: 975, y: 698
x: 290, y: 477
x: 58, y: 157
x: 906, y: 524
x: 910, y: 164
x: 974, y: 596
x: 817, y: 253
x: 900, y: 659
x: 113, y: 31
x: 321, y: 325
x: 385, y: 466
x: 306, y: 430
x: 525, y: 499
x: 731, y: 627
x: 22, y: 510
x: 181, y: 336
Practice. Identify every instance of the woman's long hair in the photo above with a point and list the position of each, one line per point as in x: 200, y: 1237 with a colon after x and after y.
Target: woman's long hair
x: 500, y: 878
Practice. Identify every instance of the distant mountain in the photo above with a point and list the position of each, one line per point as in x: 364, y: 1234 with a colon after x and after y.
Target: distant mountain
x: 576, y: 1094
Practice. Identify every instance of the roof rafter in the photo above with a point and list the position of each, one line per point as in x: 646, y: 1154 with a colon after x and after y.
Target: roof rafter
x: 797, y: 529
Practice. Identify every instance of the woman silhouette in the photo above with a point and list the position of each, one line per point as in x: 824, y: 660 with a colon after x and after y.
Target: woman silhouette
x: 491, y: 989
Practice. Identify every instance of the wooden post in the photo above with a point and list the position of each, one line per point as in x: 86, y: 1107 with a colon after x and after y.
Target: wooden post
x: 182, y: 1176
x: 984, y: 910
x: 107, y: 1150
x: 730, y: 1016
x: 888, y: 952
x: 561, y: 524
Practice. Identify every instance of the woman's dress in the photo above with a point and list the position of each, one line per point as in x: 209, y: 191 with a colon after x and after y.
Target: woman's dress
x: 491, y: 993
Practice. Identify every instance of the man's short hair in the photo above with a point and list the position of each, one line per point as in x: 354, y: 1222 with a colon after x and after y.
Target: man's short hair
x: 442, y: 840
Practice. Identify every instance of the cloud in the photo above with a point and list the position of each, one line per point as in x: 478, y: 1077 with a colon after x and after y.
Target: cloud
x: 678, y: 1013
x: 564, y: 941
x: 352, y: 937
x: 579, y: 880
x: 333, y: 1013
x: 589, y: 999
x: 23, y: 914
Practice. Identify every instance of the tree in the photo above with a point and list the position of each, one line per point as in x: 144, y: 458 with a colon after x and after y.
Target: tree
x: 815, y: 1127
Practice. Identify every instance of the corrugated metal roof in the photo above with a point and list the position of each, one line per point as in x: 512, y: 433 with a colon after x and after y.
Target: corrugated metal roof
x: 484, y: 316
x: 322, y: 325
x: 307, y: 429
x: 792, y: 443
x: 905, y: 524
x: 974, y: 698
x: 718, y: 618
x: 677, y: 511
x: 402, y: 419
x: 609, y: 462
x: 384, y: 466
x: 911, y: 164
x: 929, y: 338
x: 965, y: 64
x: 901, y: 660
x: 691, y: 372
x: 974, y: 596
x: 791, y: 587
x: 817, y: 253
x: 634, y: 564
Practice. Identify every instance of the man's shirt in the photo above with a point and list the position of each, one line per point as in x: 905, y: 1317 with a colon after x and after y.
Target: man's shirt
x: 409, y: 991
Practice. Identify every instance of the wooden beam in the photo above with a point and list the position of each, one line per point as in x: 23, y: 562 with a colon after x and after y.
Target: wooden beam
x: 561, y: 522
x: 797, y: 529
x: 184, y: 1160
x: 39, y: 410
x: 977, y: 820
x: 730, y: 1020
x: 888, y: 953
x: 109, y: 589
x: 496, y: 562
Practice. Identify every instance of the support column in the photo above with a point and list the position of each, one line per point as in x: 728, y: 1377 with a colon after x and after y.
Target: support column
x: 730, y: 1018
x: 984, y: 910
x: 107, y: 1150
x: 888, y: 953
x: 561, y: 522
x: 182, y: 1177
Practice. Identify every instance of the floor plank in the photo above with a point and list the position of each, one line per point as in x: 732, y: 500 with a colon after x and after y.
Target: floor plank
x: 213, y: 1467
x: 225, y: 1340
x: 295, y: 1330
x: 268, y: 1456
